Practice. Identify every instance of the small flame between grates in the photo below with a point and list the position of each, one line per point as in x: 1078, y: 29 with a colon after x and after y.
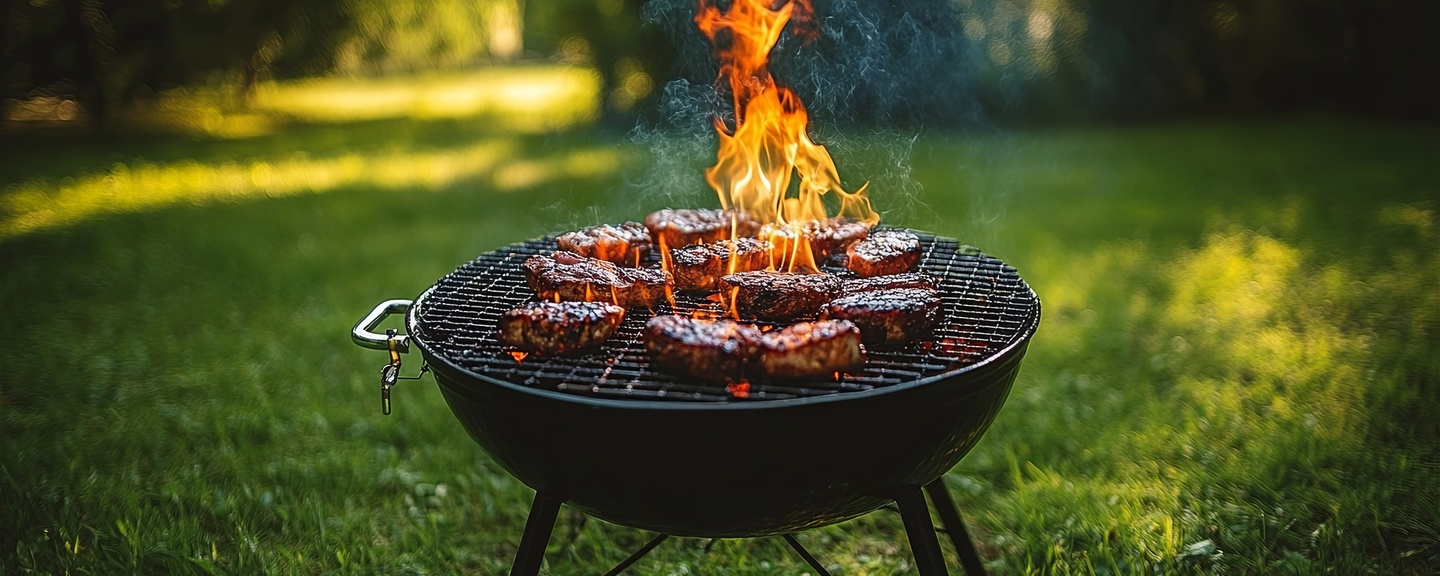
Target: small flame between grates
x: 987, y: 307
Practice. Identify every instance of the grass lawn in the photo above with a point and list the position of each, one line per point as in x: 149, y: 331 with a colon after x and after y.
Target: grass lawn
x: 1238, y: 368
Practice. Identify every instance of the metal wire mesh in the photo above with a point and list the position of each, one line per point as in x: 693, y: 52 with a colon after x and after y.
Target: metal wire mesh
x: 987, y: 307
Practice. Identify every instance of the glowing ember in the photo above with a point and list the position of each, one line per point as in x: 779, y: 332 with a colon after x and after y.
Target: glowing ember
x: 739, y: 390
x: 768, y: 145
x: 518, y: 355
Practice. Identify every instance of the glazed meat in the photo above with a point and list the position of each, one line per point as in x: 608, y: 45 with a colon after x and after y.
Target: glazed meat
x: 708, y: 349
x: 559, y: 327
x: 884, y: 252
x: 906, y: 280
x: 569, y: 276
x: 676, y: 228
x: 811, y: 350
x: 778, y: 296
x: 698, y: 266
x: 825, y: 237
x: 626, y: 244
x: 891, y: 317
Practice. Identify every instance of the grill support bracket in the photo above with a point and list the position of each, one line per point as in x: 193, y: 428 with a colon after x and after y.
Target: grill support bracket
x: 919, y: 529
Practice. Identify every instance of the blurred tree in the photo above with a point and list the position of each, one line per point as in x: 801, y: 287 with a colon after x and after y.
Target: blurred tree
x: 919, y: 61
x: 609, y: 35
x: 109, y: 51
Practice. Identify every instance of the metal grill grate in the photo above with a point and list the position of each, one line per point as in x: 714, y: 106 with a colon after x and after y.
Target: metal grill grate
x: 987, y: 308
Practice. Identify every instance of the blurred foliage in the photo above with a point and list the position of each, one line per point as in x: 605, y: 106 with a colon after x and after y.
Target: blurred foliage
x: 108, y: 51
x: 905, y: 61
x: 608, y: 35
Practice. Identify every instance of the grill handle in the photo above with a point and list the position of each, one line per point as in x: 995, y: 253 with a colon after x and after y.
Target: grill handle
x: 364, y: 336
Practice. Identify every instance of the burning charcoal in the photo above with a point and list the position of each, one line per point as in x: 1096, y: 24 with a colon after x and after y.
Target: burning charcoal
x: 778, y: 296
x: 559, y: 327
x: 676, y: 228
x: 906, y: 280
x: 884, y: 252
x: 825, y: 237
x: 811, y: 350
x: 569, y: 276
x: 889, y: 317
x: 698, y: 266
x: 626, y: 244
x: 707, y: 349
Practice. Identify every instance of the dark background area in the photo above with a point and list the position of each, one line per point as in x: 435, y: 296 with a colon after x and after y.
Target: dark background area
x: 906, y: 62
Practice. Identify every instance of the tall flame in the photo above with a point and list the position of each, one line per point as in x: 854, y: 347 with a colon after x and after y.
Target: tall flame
x: 768, y: 146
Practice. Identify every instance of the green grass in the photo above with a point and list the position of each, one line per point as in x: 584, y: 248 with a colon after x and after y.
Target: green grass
x: 1239, y: 345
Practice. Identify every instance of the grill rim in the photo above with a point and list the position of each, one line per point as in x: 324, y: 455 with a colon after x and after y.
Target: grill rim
x: 435, y: 360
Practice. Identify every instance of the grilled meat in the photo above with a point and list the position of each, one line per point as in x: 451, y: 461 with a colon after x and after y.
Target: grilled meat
x: 708, y: 349
x: 825, y: 237
x: 906, y: 280
x: 625, y: 244
x: 569, y: 276
x: 889, y: 317
x: 559, y: 327
x: 778, y: 296
x: 811, y: 350
x: 884, y: 252
x: 676, y: 228
x: 699, y: 266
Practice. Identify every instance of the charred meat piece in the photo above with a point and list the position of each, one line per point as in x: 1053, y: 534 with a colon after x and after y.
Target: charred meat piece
x: 676, y: 228
x: 778, y: 296
x: 559, y: 327
x: 625, y: 244
x: 569, y: 276
x: 891, y: 317
x: 906, y: 280
x: 708, y: 349
x: 699, y: 266
x: 884, y: 252
x: 836, y: 235
x: 811, y: 350
x: 825, y: 237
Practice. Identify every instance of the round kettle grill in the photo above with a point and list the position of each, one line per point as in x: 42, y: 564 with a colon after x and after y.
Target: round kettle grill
x: 607, y: 434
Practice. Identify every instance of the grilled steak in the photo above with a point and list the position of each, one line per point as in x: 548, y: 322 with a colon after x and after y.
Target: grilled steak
x: 811, y: 350
x: 906, y: 280
x: 676, y: 228
x: 889, y: 317
x: 778, y: 296
x: 825, y: 237
x: 884, y: 252
x: 569, y: 276
x: 699, y: 266
x: 708, y: 349
x: 559, y: 327
x: 625, y: 244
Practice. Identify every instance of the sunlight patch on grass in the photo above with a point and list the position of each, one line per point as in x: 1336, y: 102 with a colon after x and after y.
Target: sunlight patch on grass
x: 1257, y: 383
x: 515, y: 99
x: 41, y: 204
x: 531, y: 98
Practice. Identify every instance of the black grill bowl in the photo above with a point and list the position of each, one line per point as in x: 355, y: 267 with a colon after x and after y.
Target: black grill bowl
x: 730, y: 469
x: 699, y: 462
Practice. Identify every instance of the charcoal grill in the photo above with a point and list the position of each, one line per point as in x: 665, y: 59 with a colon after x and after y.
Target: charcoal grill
x: 609, y: 435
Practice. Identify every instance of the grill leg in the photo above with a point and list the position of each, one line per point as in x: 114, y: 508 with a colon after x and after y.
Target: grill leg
x: 638, y: 554
x: 790, y: 538
x: 537, y: 534
x: 955, y: 527
x: 921, y: 532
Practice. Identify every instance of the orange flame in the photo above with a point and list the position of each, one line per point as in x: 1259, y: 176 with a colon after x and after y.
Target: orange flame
x: 769, y: 146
